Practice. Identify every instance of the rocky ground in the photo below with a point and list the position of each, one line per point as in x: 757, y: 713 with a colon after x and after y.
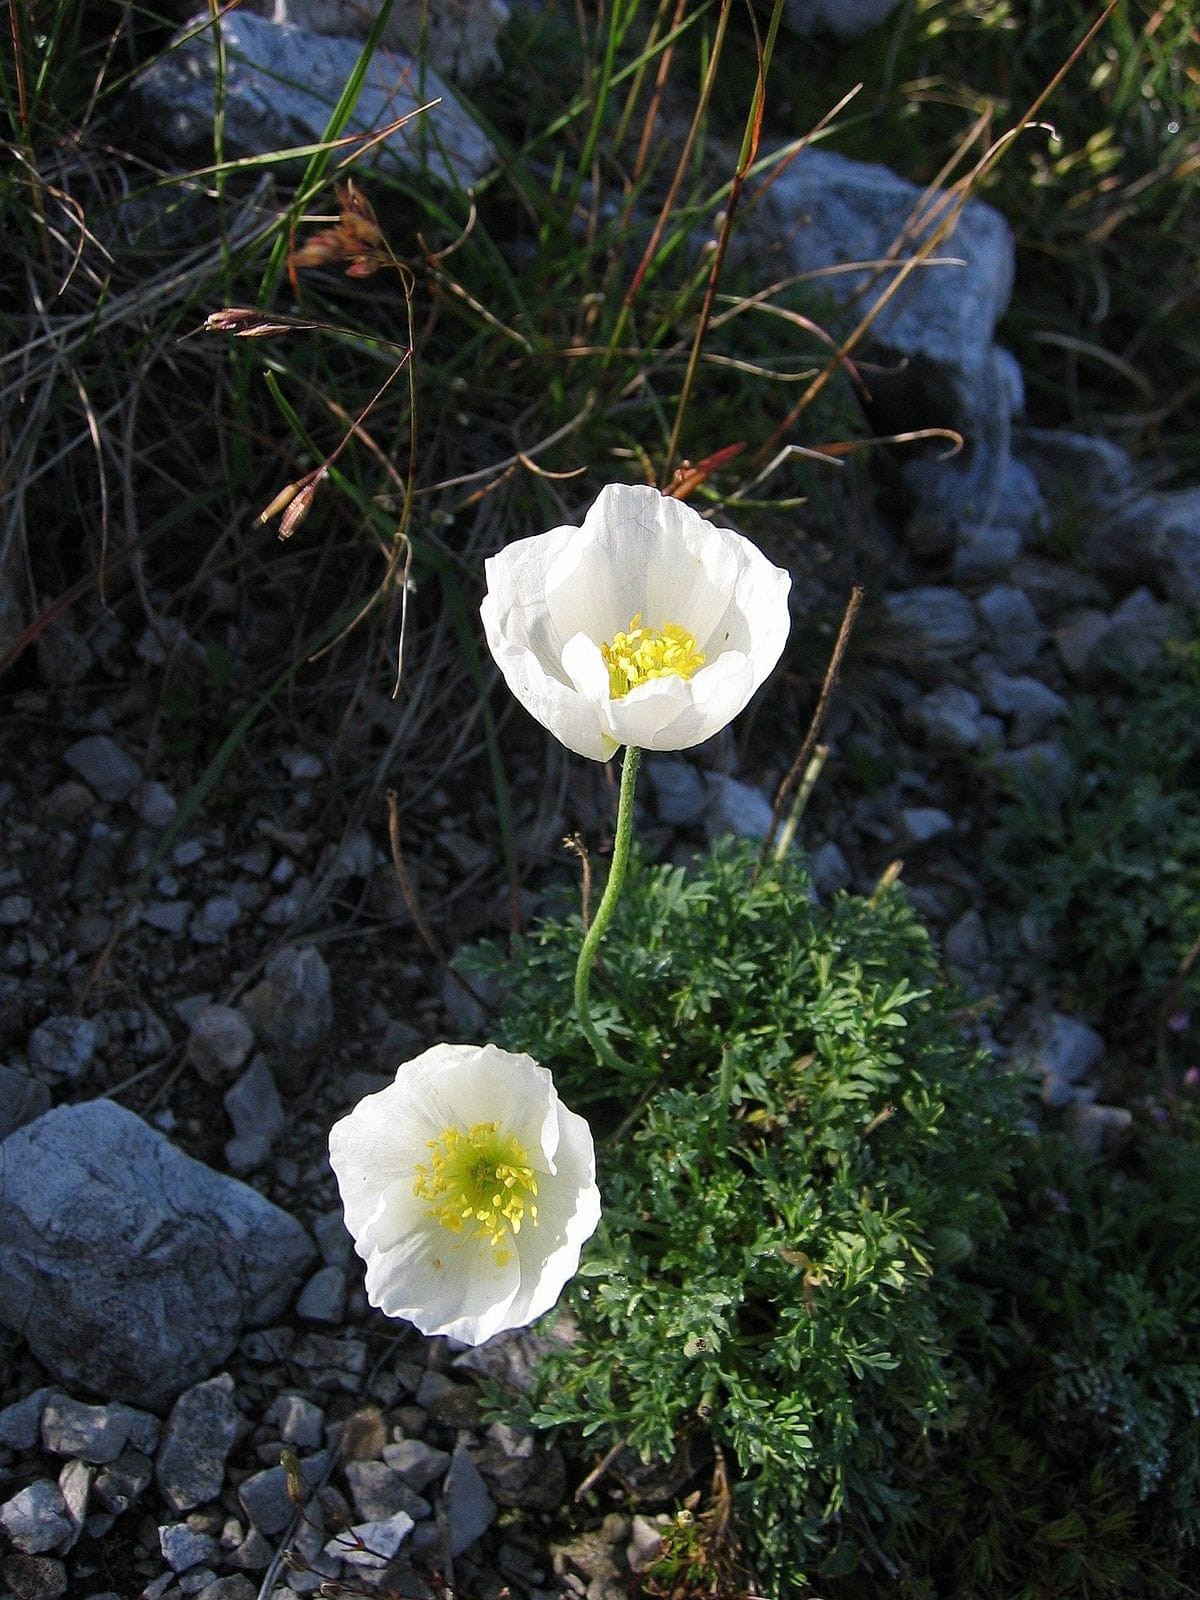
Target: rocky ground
x: 187, y: 1006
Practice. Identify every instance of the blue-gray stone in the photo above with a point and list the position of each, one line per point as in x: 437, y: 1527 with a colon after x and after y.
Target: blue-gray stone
x: 129, y: 1268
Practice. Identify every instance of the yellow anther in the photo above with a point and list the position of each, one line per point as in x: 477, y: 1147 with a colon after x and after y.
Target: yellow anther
x: 480, y: 1182
x: 639, y: 654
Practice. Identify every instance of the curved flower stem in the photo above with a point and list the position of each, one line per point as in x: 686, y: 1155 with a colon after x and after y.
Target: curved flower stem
x: 604, y: 911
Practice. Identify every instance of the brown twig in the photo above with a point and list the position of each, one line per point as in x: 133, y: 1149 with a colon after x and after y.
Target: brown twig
x: 818, y: 717
x: 574, y: 843
x: 599, y: 1470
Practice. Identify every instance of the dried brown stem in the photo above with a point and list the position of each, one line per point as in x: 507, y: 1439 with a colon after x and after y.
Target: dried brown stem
x: 804, y: 754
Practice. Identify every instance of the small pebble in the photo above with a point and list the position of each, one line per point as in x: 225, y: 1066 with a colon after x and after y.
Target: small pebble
x: 182, y: 1547
x: 63, y: 1046
x: 104, y: 766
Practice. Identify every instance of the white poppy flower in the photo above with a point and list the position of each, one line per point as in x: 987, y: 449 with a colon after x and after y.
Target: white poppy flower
x: 469, y: 1189
x: 647, y: 626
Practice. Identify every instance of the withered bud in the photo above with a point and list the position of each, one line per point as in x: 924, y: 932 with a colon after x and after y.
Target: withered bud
x: 244, y: 323
x: 297, y: 1489
x: 299, y: 508
x: 357, y: 238
x: 283, y: 499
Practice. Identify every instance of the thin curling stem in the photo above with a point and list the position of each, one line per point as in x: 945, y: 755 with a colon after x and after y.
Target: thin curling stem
x: 604, y: 911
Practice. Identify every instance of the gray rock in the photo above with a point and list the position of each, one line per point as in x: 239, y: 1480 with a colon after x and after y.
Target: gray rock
x: 34, y: 1577
x: 646, y: 1543
x: 323, y: 1298
x: 302, y: 766
x: 1031, y: 707
x: 21, y: 1423
x: 333, y: 1241
x: 458, y: 40
x: 1154, y: 540
x: 168, y: 916
x: 63, y: 1046
x: 944, y: 316
x: 947, y: 718
x: 985, y: 551
x: 935, y: 334
x: 680, y: 794
x: 215, y: 918
x: 183, y: 1547
x: 1043, y: 764
x: 235, y: 1586
x: 1056, y: 588
x: 96, y: 1434
x: 1057, y: 1093
x: 829, y: 868
x: 254, y: 1552
x: 1094, y: 1127
x: 15, y: 910
x: 22, y: 1099
x: 1064, y: 1047
x: 127, y: 1266
x: 106, y: 769
x: 417, y: 1463
x: 307, y: 1541
x: 470, y: 1509
x: 300, y: 1422
x: 219, y: 1041
x: 1079, y: 639
x: 291, y: 1010
x: 155, y: 805
x: 36, y: 1519
x: 1075, y: 472
x: 379, y: 1491
x: 357, y: 855
x: 123, y: 1481
x: 920, y: 824
x: 201, y: 1431
x: 256, y: 1112
x: 369, y: 1546
x: 735, y: 807
x: 1135, y: 637
x: 264, y: 1495
x: 75, y: 1485
x: 934, y: 619
x: 1013, y: 632
x: 280, y: 85
x: 847, y: 19
x: 520, y: 1471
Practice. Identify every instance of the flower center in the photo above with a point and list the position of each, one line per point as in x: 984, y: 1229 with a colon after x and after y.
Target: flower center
x: 479, y: 1182
x: 639, y: 654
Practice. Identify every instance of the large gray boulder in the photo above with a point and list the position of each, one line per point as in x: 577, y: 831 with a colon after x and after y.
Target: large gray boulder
x: 456, y: 37
x: 850, y: 227
x: 129, y: 1268
x: 846, y: 19
x: 280, y: 84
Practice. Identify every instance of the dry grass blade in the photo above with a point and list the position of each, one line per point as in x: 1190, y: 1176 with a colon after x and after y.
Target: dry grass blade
x: 804, y: 754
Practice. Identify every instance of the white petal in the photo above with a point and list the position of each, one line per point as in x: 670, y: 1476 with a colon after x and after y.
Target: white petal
x: 556, y: 705
x: 568, y: 1211
x: 488, y: 1084
x: 444, y: 1283
x: 641, y: 553
x: 378, y: 1144
x: 416, y: 1268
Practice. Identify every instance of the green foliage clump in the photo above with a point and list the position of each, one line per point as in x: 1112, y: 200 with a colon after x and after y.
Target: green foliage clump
x: 1108, y: 864
x: 801, y: 1155
x: 1074, y: 1466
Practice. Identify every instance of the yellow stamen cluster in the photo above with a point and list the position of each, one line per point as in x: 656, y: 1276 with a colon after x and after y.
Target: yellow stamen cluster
x: 480, y: 1182
x: 639, y: 654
